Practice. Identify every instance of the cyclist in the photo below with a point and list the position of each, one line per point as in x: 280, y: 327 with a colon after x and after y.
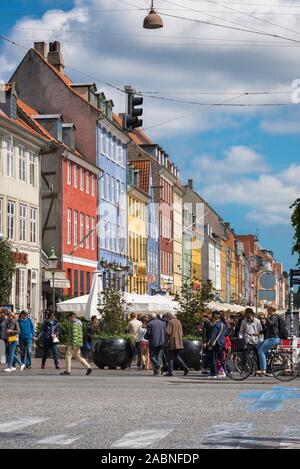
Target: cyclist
x: 251, y: 328
x: 272, y: 338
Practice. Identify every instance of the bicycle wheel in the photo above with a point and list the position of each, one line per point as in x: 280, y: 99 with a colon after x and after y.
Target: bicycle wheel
x: 284, y: 367
x: 238, y: 366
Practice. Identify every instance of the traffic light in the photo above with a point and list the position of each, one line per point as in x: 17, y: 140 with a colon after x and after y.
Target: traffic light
x: 295, y: 272
x: 132, y: 120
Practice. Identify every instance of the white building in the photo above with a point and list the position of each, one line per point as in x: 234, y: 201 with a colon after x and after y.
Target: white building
x: 19, y: 206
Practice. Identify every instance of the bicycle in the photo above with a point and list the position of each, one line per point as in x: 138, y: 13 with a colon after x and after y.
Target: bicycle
x: 242, y: 362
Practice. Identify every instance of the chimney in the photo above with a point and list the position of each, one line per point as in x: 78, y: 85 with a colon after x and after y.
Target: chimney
x: 190, y: 184
x: 41, y: 48
x: 54, y: 56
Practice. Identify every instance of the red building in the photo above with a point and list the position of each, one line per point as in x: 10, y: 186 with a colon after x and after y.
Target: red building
x: 69, y: 204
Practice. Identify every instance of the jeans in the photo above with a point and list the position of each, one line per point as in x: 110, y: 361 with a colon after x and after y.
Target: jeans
x: 54, y: 349
x: 156, y: 354
x: 12, y: 357
x: 26, y: 351
x: 264, y: 349
x: 174, y: 355
x: 139, y: 354
x: 216, y: 355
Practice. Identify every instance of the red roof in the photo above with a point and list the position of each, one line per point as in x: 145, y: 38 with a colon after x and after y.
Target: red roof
x: 144, y: 171
x: 20, y: 123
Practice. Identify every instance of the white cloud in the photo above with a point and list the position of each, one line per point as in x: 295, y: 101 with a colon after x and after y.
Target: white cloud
x: 268, y: 197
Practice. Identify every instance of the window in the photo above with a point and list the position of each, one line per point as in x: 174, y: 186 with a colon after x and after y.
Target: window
x: 10, y: 160
x: 11, y: 211
x: 118, y: 190
x: 107, y: 144
x: 69, y: 226
x: 1, y: 216
x: 81, y: 230
x: 22, y: 164
x: 108, y: 195
x: 22, y: 289
x: 76, y: 282
x: 93, y: 185
x: 114, y: 149
x: 113, y: 194
x: 102, y: 187
x: 88, y: 282
x: 87, y: 183
x: 119, y: 152
x: 103, y: 142
x: 32, y: 170
x: 33, y: 225
x: 81, y: 179
x: 87, y: 230
x: 69, y: 173
x: 75, y: 176
x: 75, y: 226
x: 93, y: 234
x: 81, y: 283
x: 22, y: 223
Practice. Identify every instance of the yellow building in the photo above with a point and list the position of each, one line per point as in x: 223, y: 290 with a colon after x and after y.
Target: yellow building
x: 178, y: 237
x: 137, y: 240
x: 224, y: 270
x: 196, y: 262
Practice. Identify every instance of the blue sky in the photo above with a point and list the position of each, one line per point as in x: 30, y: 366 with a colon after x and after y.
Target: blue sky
x: 244, y: 161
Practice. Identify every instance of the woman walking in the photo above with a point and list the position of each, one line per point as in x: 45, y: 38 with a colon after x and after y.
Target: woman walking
x: 50, y: 335
x: 144, y: 345
x: 12, y: 332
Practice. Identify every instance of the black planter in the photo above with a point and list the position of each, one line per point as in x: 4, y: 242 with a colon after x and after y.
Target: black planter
x: 192, y: 354
x: 112, y: 353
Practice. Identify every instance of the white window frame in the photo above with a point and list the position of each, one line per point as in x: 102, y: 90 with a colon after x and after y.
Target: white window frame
x: 22, y: 222
x: 75, y: 227
x: 10, y: 158
x: 87, y: 228
x: 108, y: 187
x: 22, y: 289
x: 22, y: 163
x: 69, y: 173
x: 81, y: 230
x: 33, y: 225
x: 81, y: 179
x: 11, y: 220
x: 93, y: 185
x: 69, y: 226
x: 93, y: 233
x: 75, y: 176
x: 113, y: 188
x: 87, y: 182
x: 32, y: 168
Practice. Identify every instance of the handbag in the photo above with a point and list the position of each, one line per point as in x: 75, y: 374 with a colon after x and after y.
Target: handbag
x: 12, y: 338
x: 211, y: 344
x: 55, y: 339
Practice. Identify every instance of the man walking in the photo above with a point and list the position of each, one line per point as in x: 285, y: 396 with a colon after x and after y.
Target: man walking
x: 74, y: 343
x: 134, y: 328
x: 27, y: 334
x: 175, y: 345
x: 156, y: 334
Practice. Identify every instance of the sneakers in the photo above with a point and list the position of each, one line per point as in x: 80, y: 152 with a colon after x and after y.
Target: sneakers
x: 22, y: 367
x: 186, y: 372
x: 58, y: 367
x: 89, y: 371
x: 7, y: 370
x: 14, y: 369
x: 65, y: 373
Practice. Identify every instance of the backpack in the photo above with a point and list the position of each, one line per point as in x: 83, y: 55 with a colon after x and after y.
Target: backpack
x: 283, y: 331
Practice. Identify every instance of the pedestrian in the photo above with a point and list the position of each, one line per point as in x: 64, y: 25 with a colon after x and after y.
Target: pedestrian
x: 74, y: 344
x: 239, y: 319
x: 10, y: 333
x: 272, y: 339
x: 206, y: 332
x: 217, y: 344
x: 3, y: 343
x: 133, y: 328
x: 27, y: 334
x: 251, y: 328
x: 50, y: 336
x: 93, y: 328
x: 156, y: 334
x: 174, y: 345
x: 144, y: 344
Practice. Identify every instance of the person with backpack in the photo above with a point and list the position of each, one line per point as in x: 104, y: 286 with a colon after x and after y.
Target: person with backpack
x: 275, y: 331
x: 50, y: 337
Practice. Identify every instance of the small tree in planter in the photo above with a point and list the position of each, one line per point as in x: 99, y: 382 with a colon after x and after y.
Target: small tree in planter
x: 295, y: 219
x: 113, y: 347
x: 193, y: 305
x: 7, y: 269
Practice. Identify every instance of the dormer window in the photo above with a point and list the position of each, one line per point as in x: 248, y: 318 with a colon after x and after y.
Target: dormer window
x: 13, y: 106
x: 109, y: 109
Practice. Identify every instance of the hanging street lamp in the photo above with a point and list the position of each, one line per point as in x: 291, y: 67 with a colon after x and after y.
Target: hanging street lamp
x: 153, y: 20
x: 53, y: 262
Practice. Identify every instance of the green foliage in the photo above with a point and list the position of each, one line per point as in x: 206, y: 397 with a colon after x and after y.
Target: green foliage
x: 193, y: 305
x: 7, y: 269
x: 64, y: 329
x: 295, y: 219
x: 113, y: 309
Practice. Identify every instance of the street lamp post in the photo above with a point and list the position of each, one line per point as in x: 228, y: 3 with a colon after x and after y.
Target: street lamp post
x: 153, y: 20
x: 53, y: 261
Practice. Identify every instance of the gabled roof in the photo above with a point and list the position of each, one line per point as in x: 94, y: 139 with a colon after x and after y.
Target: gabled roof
x: 144, y: 170
x: 20, y: 123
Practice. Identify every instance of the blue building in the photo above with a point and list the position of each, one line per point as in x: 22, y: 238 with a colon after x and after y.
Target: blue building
x: 112, y: 208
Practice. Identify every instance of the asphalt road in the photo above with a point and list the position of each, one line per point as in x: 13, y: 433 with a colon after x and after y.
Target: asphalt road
x: 133, y: 409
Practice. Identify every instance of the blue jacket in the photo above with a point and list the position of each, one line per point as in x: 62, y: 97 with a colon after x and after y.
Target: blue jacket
x: 50, y: 327
x: 26, y: 329
x: 157, y: 333
x: 215, y: 331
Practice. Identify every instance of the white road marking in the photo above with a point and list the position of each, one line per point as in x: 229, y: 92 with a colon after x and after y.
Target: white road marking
x: 291, y: 438
x: 141, y: 439
x: 77, y: 424
x: 62, y: 440
x: 227, y: 435
x: 19, y: 424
